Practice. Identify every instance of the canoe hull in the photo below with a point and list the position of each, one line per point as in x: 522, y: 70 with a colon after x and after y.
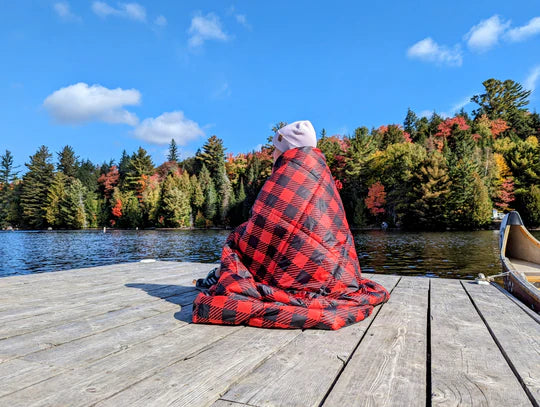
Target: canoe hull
x: 520, y: 259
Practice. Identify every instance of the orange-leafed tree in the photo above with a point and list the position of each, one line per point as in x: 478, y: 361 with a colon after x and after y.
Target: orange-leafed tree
x: 376, y: 199
x: 117, y: 208
x: 108, y: 181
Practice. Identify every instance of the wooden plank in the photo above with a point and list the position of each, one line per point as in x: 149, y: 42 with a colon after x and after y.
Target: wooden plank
x: 226, y: 403
x: 52, y: 288
x: 389, y: 366
x: 303, y: 371
x: 84, y: 310
x: 534, y: 315
x: 17, y: 374
x: 22, y: 345
x: 91, y: 348
x: 85, y: 386
x: 61, y: 313
x: 514, y: 331
x: 200, y: 379
x: 467, y: 368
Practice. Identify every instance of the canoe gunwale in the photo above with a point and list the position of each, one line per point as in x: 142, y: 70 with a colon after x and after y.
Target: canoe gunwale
x: 515, y: 281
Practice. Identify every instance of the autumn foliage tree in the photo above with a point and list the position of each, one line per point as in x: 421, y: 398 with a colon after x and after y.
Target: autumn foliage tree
x: 376, y: 199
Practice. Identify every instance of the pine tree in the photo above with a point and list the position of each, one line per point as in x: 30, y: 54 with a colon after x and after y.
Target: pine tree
x: 140, y: 164
x: 175, y: 210
x: 123, y: 167
x: 213, y: 157
x: 481, y: 204
x: 72, y: 209
x: 173, y: 152
x: 427, y: 200
x: 227, y: 198
x: 529, y: 205
x: 67, y: 162
x: 131, y: 211
x: 7, y: 173
x: 35, y: 188
x: 210, y: 202
x: 197, y: 195
x: 88, y: 174
x: 56, y: 194
x: 410, y: 124
x: 501, y: 99
x: 7, y: 177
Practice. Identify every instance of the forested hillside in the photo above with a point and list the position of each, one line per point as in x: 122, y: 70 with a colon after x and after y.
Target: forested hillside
x: 427, y: 173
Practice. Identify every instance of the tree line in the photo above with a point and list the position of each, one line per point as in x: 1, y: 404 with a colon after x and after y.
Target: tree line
x: 426, y: 173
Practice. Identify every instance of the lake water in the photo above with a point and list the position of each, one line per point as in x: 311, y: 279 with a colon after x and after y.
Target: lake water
x: 445, y: 254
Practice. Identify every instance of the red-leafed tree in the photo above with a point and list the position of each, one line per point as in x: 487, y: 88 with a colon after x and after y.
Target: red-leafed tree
x: 376, y: 199
x: 445, y: 128
x: 506, y: 194
x: 109, y: 181
x: 497, y: 126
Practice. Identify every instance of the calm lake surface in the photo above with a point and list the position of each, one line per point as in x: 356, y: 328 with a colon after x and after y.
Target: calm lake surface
x: 445, y: 254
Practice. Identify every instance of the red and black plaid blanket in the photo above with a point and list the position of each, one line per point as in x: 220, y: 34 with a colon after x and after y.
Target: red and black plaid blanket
x: 293, y: 263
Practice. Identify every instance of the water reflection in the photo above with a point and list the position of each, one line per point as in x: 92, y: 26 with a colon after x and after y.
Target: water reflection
x: 448, y: 254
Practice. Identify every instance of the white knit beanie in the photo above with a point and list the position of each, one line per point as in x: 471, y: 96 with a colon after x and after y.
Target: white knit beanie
x: 297, y: 134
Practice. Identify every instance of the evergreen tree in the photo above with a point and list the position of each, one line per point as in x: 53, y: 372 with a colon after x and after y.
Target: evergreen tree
x: 72, y: 208
x: 131, y: 211
x: 175, y: 210
x: 173, y: 152
x: 528, y: 204
x: 197, y: 194
x: 35, y: 189
x: 139, y: 164
x: 501, y: 99
x: 427, y: 200
x: 7, y: 173
x: 210, y: 202
x: 7, y: 177
x: 55, y: 196
x: 227, y: 198
x: 123, y: 167
x: 481, y: 204
x: 213, y: 157
x: 410, y: 123
x: 88, y: 174
x: 67, y: 162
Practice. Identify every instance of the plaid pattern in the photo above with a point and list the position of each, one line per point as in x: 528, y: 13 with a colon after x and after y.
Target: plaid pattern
x: 293, y: 263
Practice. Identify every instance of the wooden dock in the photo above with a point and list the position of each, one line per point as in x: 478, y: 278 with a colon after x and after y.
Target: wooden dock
x: 122, y: 336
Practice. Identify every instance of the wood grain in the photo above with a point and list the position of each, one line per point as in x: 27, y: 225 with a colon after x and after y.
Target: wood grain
x: 304, y: 370
x: 467, y: 368
x: 515, y: 331
x: 389, y: 366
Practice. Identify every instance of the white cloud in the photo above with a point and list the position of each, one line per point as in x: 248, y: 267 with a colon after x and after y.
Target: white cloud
x: 485, y: 34
x: 429, y: 50
x: 162, y: 129
x: 458, y: 106
x: 530, y: 82
x: 160, y: 21
x: 80, y: 103
x: 522, y: 33
x: 63, y: 10
x: 205, y: 28
x: 133, y: 11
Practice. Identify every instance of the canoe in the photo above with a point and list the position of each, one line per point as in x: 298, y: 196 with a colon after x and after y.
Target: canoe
x: 520, y: 258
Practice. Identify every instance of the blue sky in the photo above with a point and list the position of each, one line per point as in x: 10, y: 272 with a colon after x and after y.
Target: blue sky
x: 103, y: 76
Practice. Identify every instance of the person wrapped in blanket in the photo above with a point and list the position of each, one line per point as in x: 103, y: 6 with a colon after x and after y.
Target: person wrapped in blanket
x: 293, y: 263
